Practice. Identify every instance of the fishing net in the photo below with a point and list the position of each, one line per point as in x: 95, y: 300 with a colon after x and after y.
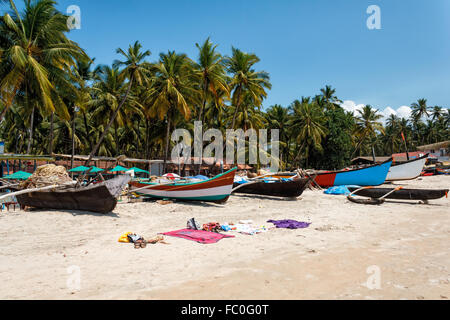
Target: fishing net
x: 47, y: 175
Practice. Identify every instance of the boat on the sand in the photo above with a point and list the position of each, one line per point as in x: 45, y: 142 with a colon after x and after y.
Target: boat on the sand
x: 100, y: 197
x: 279, y: 188
x: 407, y: 170
x: 217, y: 189
x: 373, y: 175
x: 401, y: 194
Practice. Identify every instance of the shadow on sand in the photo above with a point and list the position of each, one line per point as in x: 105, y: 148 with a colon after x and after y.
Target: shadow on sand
x: 76, y: 212
x: 256, y: 196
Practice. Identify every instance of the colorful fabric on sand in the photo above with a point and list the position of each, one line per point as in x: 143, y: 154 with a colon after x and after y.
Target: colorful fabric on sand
x: 249, y: 229
x: 212, y: 227
x: 124, y: 237
x: 337, y: 190
x: 289, y: 224
x: 200, y: 236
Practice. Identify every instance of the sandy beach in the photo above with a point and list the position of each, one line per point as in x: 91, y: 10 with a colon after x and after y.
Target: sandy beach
x: 404, y: 244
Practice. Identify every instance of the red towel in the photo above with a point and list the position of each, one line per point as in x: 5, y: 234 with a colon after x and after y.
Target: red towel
x: 198, y: 235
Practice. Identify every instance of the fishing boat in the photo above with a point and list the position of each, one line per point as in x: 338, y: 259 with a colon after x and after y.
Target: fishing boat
x: 373, y: 175
x: 407, y: 170
x: 217, y: 189
x: 401, y: 194
x: 279, y: 188
x: 100, y: 197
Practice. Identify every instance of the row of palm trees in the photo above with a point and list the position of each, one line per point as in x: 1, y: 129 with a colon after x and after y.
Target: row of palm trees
x: 52, y: 98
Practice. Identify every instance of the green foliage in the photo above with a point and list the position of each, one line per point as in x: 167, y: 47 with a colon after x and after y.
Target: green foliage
x: 337, y: 146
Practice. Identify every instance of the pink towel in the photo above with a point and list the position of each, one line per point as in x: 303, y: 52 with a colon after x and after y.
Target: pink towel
x: 198, y: 235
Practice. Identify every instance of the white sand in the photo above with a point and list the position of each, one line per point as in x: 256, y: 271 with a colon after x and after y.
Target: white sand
x: 407, y: 242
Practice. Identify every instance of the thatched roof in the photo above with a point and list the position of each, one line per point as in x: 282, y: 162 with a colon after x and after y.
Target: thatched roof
x: 434, y: 146
x: 120, y: 158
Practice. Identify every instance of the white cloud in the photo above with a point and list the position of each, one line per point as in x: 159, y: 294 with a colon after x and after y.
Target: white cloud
x: 388, y: 111
x: 404, y: 112
x: 351, y: 106
x: 401, y: 112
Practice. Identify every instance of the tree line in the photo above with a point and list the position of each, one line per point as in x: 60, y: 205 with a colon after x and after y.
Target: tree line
x: 53, y: 96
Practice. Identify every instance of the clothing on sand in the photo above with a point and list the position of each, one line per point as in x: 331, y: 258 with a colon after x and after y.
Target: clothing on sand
x: 289, y: 224
x: 200, y: 236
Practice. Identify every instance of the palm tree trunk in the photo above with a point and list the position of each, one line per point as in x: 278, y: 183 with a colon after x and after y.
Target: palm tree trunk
x: 73, y: 141
x: 50, y: 148
x: 299, y: 152
x: 88, y: 138
x: 100, y: 140
x: 2, y: 115
x: 359, y: 143
x: 237, y: 107
x: 31, y: 132
x: 138, y: 140
x: 146, y: 138
x: 205, y: 90
x: 166, y: 152
x: 116, y: 136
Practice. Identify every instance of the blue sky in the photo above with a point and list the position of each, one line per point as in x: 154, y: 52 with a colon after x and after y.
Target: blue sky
x: 303, y: 44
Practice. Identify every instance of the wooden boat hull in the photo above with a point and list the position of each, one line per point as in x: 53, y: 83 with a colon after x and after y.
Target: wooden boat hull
x: 402, y: 194
x: 374, y: 175
x: 217, y: 189
x: 287, y: 189
x: 407, y: 170
x: 101, y: 198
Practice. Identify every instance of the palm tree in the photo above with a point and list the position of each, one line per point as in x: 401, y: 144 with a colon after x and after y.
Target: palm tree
x: 83, y: 76
x: 248, y: 116
x: 331, y: 101
x: 367, y: 124
x: 419, y: 109
x: 38, y: 56
x: 447, y: 118
x: 436, y: 113
x: 107, y: 92
x: 392, y: 133
x: 173, y: 91
x: 246, y: 80
x: 212, y: 74
x: 278, y: 117
x: 307, y: 124
x: 136, y: 70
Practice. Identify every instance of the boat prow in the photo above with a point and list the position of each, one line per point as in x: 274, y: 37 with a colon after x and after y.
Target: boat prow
x: 407, y: 170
